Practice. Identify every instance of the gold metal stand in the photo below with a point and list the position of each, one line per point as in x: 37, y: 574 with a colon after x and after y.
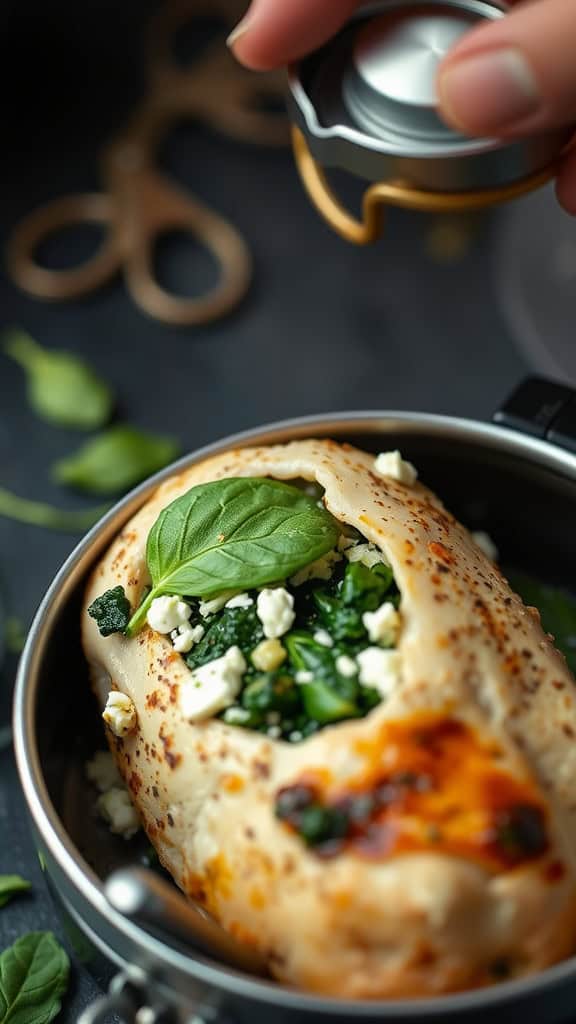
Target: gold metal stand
x: 362, y: 232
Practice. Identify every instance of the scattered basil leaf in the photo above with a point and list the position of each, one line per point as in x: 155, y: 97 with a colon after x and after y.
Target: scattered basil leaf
x: 61, y: 387
x: 557, y: 608
x: 111, y: 611
x: 115, y: 461
x: 33, y: 978
x: 233, y: 534
x: 15, y: 635
x: 38, y: 513
x: 11, y: 885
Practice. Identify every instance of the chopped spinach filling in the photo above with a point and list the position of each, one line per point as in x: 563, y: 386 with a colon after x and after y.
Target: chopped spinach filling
x: 308, y: 690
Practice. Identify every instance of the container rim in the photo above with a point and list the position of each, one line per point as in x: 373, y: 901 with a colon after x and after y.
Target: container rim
x: 46, y: 820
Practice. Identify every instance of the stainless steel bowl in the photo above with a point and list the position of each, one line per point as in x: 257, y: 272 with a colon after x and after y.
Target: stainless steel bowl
x: 521, y: 488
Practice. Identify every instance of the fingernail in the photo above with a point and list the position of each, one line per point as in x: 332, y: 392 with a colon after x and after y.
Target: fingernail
x: 489, y: 92
x: 238, y: 32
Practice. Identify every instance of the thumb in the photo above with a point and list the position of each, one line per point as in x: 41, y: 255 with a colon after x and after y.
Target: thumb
x: 514, y: 76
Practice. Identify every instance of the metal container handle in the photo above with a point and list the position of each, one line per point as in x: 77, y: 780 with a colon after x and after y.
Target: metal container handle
x: 133, y: 1002
x: 541, y: 408
x: 367, y: 230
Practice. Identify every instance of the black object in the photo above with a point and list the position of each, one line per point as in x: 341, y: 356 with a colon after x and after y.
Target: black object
x: 543, y: 409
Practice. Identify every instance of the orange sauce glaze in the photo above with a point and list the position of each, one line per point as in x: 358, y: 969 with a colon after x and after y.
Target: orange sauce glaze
x: 430, y: 783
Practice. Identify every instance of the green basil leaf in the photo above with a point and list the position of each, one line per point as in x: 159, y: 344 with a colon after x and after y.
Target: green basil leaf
x: 557, y: 608
x: 61, y: 387
x: 233, y: 534
x: 38, y: 513
x: 115, y: 461
x: 33, y: 978
x: 11, y: 885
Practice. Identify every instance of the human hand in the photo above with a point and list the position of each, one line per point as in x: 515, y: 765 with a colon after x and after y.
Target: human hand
x: 515, y: 76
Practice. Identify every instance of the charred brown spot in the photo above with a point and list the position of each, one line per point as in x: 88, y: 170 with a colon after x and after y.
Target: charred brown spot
x: 441, y: 776
x: 135, y: 782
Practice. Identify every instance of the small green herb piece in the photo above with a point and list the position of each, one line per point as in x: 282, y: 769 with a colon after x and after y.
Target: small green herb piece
x: 15, y: 635
x: 557, y: 608
x: 61, y: 387
x: 314, y: 822
x: 233, y: 534
x: 38, y: 513
x: 33, y: 978
x: 269, y: 692
x: 115, y: 461
x: 234, y: 627
x: 362, y: 590
x: 329, y: 697
x: 111, y: 611
x: 11, y: 885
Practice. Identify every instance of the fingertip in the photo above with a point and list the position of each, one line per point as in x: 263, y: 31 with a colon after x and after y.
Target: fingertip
x: 241, y: 43
x: 273, y: 33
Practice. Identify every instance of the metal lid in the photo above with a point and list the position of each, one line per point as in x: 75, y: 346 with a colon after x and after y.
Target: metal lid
x: 390, y: 84
x: 367, y: 101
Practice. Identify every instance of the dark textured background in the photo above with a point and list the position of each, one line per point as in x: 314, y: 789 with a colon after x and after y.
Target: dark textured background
x: 325, y: 327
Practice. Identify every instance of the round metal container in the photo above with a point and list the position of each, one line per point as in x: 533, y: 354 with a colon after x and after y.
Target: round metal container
x: 490, y: 477
x: 366, y: 102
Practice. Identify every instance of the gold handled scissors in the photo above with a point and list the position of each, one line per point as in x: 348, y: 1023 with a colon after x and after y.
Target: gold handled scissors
x: 139, y: 204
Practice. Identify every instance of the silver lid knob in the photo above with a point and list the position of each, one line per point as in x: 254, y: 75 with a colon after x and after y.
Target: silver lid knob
x: 391, y: 82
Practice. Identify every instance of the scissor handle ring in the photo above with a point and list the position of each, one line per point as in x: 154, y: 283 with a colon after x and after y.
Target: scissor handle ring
x: 165, y: 208
x: 235, y: 263
x: 362, y: 232
x: 42, y: 283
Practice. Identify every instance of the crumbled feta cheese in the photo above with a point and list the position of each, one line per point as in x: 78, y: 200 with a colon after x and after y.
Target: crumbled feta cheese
x: 368, y: 554
x: 274, y: 732
x: 383, y: 625
x: 120, y: 714
x: 268, y: 655
x: 380, y: 669
x: 275, y: 609
x: 322, y: 637
x: 213, y: 686
x: 186, y: 636
x: 346, y: 665
x: 216, y: 604
x: 303, y: 676
x: 295, y: 736
x: 321, y: 569
x: 486, y: 544
x: 391, y: 464
x: 167, y: 613
x: 236, y: 716
x: 102, y: 772
x: 240, y: 601
x: 116, y: 809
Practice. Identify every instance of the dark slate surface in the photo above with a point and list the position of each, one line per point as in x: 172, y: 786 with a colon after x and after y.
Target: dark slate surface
x: 325, y: 327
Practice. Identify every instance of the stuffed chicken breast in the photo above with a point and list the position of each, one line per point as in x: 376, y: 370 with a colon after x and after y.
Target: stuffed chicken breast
x: 342, y: 731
